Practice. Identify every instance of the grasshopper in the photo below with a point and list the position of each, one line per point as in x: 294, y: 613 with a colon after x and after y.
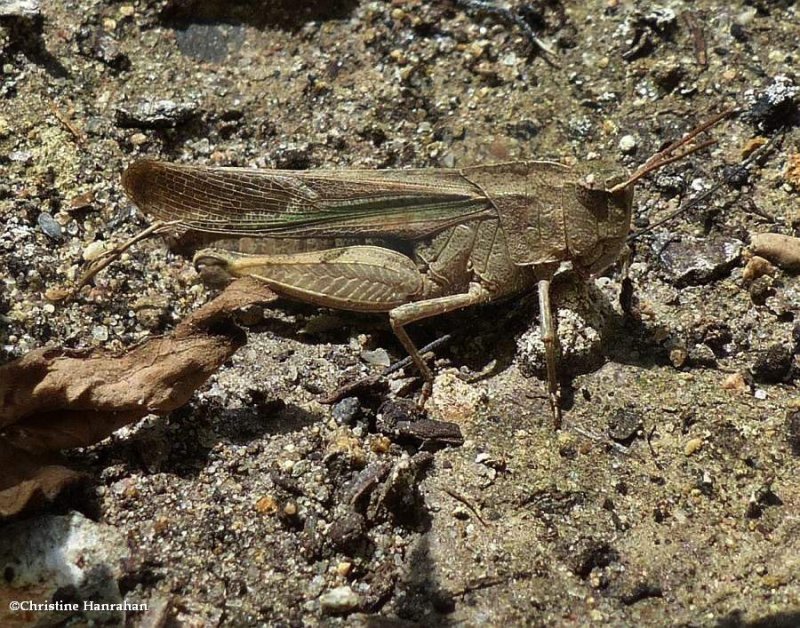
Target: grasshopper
x: 430, y: 241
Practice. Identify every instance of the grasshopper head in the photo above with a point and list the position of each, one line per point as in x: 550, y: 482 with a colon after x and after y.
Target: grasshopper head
x: 604, y: 206
x: 608, y: 194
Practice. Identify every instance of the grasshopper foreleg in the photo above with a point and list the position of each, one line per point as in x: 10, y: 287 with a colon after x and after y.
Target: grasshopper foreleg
x: 550, y: 340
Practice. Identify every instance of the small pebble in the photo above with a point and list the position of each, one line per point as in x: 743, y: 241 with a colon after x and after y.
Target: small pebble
x: 752, y: 145
x: 21, y: 156
x: 290, y: 509
x: 380, y: 445
x: 20, y: 8
x: 782, y: 250
x: 624, y: 424
x: 697, y: 261
x: 378, y: 357
x: 461, y: 513
x: 792, y: 172
x: 735, y: 382
x: 346, y: 411
x: 349, y: 448
x: 678, y: 357
x: 792, y: 427
x: 344, y: 568
x: 50, y: 226
x: 94, y: 250
x: 693, y: 445
x: 510, y: 60
x: 156, y: 114
x: 627, y: 144
x: 81, y: 201
x: 267, y: 505
x: 772, y: 107
x: 339, y: 601
x: 773, y: 365
x: 757, y: 267
x: 56, y: 294
x: 249, y: 315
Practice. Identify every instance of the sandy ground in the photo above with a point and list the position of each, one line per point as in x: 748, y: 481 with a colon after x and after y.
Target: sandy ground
x: 669, y: 497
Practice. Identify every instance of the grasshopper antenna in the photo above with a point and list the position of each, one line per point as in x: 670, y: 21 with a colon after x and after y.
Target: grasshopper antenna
x: 669, y: 155
x: 745, y: 164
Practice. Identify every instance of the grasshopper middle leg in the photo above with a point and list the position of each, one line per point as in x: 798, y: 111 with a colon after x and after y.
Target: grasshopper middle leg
x: 401, y: 316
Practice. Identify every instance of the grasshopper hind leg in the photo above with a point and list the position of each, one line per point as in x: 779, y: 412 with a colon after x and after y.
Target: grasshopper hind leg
x: 356, y: 278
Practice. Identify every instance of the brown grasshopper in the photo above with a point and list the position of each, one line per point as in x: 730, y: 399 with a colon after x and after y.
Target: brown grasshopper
x: 430, y: 240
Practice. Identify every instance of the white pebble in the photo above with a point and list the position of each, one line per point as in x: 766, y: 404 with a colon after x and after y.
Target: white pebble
x: 339, y: 600
x: 94, y: 250
x: 627, y: 144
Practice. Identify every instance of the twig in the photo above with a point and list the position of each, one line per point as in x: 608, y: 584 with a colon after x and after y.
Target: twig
x: 698, y: 37
x: 650, y: 446
x: 485, y: 582
x: 371, y: 380
x: 460, y: 498
x: 80, y: 139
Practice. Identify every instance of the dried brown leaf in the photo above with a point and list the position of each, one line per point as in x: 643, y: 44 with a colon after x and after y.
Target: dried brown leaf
x: 52, y: 399
x: 29, y: 479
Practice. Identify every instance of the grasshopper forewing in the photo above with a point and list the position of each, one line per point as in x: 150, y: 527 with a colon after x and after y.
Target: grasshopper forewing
x: 420, y: 242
